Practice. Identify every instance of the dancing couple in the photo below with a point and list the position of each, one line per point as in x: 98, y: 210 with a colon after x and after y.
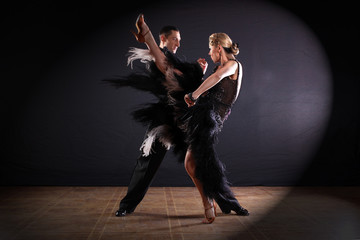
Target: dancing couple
x: 188, y: 116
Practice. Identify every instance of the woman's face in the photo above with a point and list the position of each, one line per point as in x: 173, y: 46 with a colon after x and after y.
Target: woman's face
x: 214, y: 54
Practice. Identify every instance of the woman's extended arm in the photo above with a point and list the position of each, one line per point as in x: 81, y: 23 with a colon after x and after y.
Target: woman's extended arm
x: 227, y: 70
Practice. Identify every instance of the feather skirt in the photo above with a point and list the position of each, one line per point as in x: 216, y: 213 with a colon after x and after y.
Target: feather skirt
x: 172, y: 122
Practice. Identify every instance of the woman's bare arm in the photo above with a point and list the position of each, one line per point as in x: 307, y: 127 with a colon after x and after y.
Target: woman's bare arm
x: 227, y: 70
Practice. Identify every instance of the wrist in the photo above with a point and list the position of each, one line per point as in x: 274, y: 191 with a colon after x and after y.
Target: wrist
x: 195, y: 95
x: 191, y: 97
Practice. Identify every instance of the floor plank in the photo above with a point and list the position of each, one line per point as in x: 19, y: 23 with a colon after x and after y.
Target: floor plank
x: 176, y: 213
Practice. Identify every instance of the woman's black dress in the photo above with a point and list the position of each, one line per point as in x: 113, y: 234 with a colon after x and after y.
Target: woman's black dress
x: 175, y: 124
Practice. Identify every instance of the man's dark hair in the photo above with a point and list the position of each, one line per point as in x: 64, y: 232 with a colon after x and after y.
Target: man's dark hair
x: 167, y: 30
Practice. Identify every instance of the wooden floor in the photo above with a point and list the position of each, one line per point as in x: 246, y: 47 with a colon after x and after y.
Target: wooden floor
x: 277, y: 213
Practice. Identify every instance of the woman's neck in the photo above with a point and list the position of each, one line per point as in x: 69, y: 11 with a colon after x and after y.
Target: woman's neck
x: 225, y: 58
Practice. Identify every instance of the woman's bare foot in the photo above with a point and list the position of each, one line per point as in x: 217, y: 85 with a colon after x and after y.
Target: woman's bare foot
x: 210, y: 213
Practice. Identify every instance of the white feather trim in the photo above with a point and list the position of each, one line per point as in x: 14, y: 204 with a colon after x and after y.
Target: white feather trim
x: 162, y: 133
x: 139, y: 54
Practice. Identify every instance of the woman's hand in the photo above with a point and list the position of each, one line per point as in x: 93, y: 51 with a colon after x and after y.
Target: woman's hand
x: 188, y: 101
x: 203, y: 64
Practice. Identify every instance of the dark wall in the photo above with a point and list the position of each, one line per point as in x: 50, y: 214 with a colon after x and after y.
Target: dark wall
x: 295, y: 122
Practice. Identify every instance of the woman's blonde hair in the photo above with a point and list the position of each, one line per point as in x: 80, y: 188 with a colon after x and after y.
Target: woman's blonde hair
x: 225, y: 41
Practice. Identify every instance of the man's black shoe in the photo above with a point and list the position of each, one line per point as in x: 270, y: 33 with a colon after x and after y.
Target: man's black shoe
x: 121, y: 212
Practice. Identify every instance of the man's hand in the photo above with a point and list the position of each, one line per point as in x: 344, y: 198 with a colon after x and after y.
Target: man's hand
x: 203, y: 64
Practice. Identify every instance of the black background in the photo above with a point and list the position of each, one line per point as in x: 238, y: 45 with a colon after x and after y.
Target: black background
x: 36, y: 34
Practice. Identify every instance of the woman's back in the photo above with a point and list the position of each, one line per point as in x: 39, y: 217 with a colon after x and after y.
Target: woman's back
x: 225, y: 94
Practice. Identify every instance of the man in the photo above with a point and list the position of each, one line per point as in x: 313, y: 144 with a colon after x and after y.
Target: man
x: 170, y: 38
x: 148, y: 164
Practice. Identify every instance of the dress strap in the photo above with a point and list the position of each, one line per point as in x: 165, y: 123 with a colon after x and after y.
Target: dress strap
x: 237, y: 77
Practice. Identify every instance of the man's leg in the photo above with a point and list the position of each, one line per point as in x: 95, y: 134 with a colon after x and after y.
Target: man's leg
x: 142, y: 177
x: 228, y: 202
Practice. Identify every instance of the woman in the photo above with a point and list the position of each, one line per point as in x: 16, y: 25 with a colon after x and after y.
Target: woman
x: 221, y: 90
x: 197, y: 121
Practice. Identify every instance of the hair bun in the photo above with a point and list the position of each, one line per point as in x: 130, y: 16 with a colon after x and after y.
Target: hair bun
x: 235, y: 48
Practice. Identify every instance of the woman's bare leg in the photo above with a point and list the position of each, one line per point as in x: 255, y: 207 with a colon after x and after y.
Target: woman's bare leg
x: 190, y: 166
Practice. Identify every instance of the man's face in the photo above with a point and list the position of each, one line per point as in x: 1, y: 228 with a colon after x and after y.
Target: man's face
x: 172, y: 42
